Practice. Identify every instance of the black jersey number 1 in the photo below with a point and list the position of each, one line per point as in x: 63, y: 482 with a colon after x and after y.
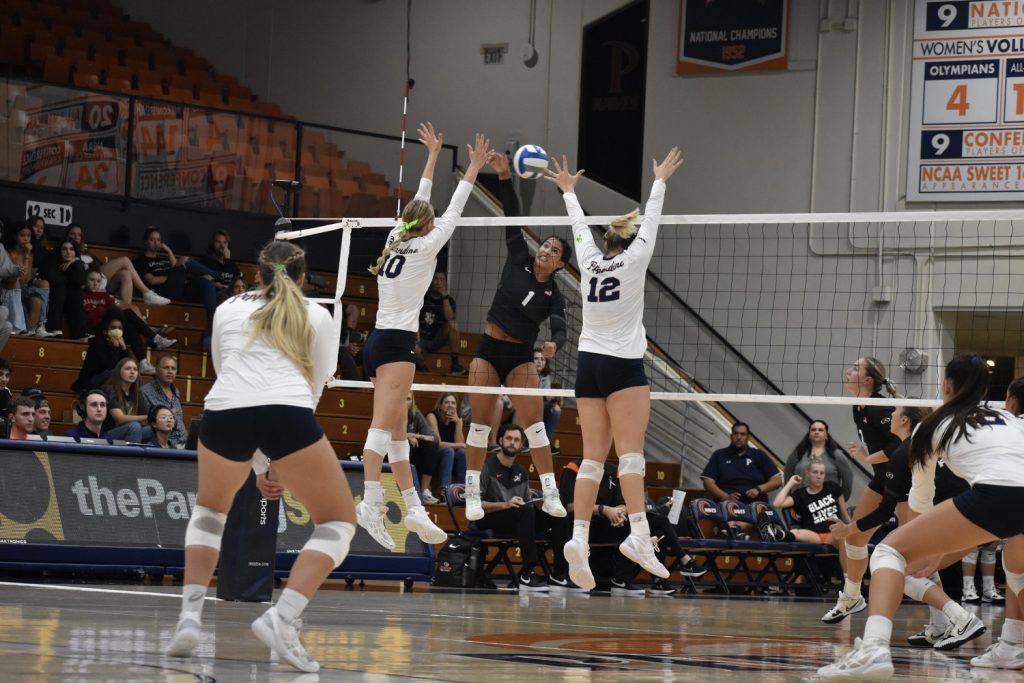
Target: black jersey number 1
x: 609, y: 290
x: 394, y: 265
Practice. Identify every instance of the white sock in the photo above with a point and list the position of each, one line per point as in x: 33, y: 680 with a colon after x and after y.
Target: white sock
x: 411, y: 498
x: 290, y: 604
x: 955, y: 612
x: 547, y: 481
x: 851, y: 589
x: 1013, y: 632
x: 878, y: 630
x: 988, y: 583
x: 193, y: 596
x: 581, y: 531
x: 638, y: 525
x: 372, y: 492
x: 473, y: 481
x: 968, y: 583
x: 937, y: 618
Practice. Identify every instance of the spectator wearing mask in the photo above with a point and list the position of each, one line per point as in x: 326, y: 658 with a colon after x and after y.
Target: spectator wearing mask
x: 105, y: 349
x: 218, y: 260
x: 423, y: 450
x: 819, y: 445
x: 445, y: 421
x: 119, y: 274
x: 161, y: 391
x: 740, y: 472
x: 161, y: 425
x: 67, y: 282
x: 97, y: 303
x: 552, y: 405
x: 124, y: 396
x: 23, y: 418
x: 438, y: 328
x: 34, y: 292
x: 95, y: 423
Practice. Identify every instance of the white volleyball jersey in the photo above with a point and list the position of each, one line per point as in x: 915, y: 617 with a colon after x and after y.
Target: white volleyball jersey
x: 992, y: 453
x: 613, y: 288
x: 253, y: 372
x: 404, y: 277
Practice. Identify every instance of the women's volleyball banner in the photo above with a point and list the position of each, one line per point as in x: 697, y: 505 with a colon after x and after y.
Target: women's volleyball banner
x: 717, y: 36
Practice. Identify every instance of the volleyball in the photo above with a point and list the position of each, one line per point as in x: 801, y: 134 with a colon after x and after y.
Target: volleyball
x: 530, y: 162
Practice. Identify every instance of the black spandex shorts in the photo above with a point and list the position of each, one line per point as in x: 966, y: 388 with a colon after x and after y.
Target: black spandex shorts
x: 276, y: 430
x: 503, y: 356
x: 388, y: 346
x: 600, y: 376
x: 880, y: 479
x: 996, y: 509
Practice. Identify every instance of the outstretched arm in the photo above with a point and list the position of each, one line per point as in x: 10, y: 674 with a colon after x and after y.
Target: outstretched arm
x: 586, y: 249
x: 433, y: 141
x: 643, y: 246
x: 444, y: 225
x: 514, y: 240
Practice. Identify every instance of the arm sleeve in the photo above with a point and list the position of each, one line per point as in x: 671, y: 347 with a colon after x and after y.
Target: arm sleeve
x: 444, y: 226
x: 586, y: 250
x: 557, y: 320
x: 423, y: 191
x: 326, y: 339
x: 922, y: 488
x: 642, y: 248
x: 514, y: 240
x: 881, y: 514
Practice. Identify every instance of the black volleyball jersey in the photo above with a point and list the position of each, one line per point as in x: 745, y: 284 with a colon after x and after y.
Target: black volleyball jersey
x: 873, y: 424
x: 816, y: 509
x: 521, y: 303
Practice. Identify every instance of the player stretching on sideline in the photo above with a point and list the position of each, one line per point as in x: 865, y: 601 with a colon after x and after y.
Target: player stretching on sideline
x: 271, y: 342
x: 404, y: 271
x: 612, y: 393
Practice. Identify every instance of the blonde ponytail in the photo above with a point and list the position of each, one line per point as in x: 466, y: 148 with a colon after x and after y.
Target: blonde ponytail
x: 622, y: 231
x: 416, y: 217
x: 284, y: 320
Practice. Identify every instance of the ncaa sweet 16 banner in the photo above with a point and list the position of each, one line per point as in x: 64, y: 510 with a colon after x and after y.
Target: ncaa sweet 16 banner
x: 967, y: 102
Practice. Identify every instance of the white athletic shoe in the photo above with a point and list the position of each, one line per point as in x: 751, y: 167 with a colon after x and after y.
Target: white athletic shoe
x: 641, y: 551
x: 970, y: 595
x: 371, y: 518
x: 1000, y: 655
x: 418, y: 521
x: 427, y: 497
x: 474, y: 510
x: 990, y: 595
x: 577, y: 554
x: 958, y: 634
x: 844, y: 607
x: 185, y: 638
x: 154, y: 299
x: 553, y: 504
x: 865, y: 662
x: 927, y: 637
x: 161, y: 343
x: 284, y: 639
x: 146, y: 367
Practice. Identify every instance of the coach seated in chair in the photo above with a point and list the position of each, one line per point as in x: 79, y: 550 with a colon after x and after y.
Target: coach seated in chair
x: 739, y: 472
x: 508, y: 510
x: 97, y: 424
x: 23, y: 418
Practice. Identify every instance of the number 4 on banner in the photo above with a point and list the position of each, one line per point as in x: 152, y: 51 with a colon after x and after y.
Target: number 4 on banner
x: 958, y: 100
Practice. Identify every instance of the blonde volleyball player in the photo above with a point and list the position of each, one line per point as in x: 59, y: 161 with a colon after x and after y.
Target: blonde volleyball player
x: 273, y: 351
x: 979, y: 444
x: 404, y: 271
x: 612, y: 392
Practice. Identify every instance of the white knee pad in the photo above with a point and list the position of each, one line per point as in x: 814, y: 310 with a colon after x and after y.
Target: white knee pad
x: 1014, y: 581
x: 856, y: 552
x: 478, y: 434
x: 915, y: 588
x: 887, y: 557
x: 332, y: 539
x: 632, y: 463
x: 971, y: 557
x: 988, y: 556
x: 537, y: 435
x: 398, y: 451
x: 205, y: 527
x: 592, y: 470
x: 377, y: 440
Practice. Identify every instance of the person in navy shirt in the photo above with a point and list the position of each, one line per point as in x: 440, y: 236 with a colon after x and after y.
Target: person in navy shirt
x: 739, y: 472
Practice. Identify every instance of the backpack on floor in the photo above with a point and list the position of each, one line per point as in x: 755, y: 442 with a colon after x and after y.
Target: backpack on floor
x: 459, y: 563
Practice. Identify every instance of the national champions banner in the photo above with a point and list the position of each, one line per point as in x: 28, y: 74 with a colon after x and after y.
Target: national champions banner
x: 722, y: 36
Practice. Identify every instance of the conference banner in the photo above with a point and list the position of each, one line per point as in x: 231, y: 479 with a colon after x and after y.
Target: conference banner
x: 725, y: 36
x: 967, y: 102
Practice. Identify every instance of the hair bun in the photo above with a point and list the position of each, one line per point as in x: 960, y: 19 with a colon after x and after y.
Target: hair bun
x: 624, y: 227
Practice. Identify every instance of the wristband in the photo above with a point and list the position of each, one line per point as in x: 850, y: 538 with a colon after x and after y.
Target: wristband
x: 600, y: 509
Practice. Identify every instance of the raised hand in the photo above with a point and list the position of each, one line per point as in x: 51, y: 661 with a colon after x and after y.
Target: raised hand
x: 561, y: 176
x: 432, y: 140
x: 499, y: 162
x: 673, y: 160
x: 479, y: 151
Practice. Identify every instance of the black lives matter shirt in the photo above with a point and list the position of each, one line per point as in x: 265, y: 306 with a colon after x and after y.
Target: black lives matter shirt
x: 816, y: 509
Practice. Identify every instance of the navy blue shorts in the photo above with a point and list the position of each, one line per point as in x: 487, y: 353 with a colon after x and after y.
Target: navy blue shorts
x: 600, y: 376
x: 276, y: 430
x: 996, y: 509
x: 388, y: 346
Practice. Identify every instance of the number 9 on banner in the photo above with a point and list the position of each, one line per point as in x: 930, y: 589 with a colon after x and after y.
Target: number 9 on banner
x: 942, y: 144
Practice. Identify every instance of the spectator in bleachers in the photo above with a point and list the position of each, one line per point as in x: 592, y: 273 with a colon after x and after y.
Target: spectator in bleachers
x: 218, y: 260
x: 97, y: 303
x: 161, y: 423
x: 96, y: 422
x: 105, y: 349
x: 35, y: 292
x: 124, y: 396
x: 161, y: 391
x: 818, y: 444
x: 120, y: 275
x: 350, y: 346
x: 5, y: 380
x: 238, y: 286
x: 43, y: 256
x: 816, y: 504
x: 552, y: 404
x: 8, y: 272
x: 43, y: 417
x: 67, y: 282
x: 438, y: 328
x: 508, y: 508
x: 445, y: 421
x: 23, y: 418
x: 423, y: 451
x: 740, y: 472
